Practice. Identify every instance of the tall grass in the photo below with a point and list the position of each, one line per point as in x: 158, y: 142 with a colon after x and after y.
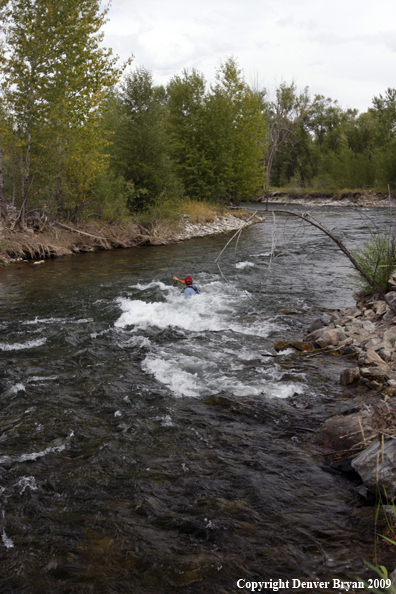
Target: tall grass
x: 377, y: 258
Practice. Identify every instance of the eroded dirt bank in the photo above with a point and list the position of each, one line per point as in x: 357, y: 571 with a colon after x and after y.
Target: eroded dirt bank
x: 60, y: 239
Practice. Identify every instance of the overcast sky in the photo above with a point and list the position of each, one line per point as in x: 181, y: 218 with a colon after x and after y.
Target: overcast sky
x: 344, y: 49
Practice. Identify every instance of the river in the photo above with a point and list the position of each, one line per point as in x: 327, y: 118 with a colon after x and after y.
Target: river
x: 146, y: 441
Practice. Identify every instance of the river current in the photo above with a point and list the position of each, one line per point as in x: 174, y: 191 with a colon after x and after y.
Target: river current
x: 148, y: 444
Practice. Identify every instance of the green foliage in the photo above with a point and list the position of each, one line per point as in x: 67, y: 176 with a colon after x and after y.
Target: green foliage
x: 136, y: 117
x: 217, y: 134
x: 377, y: 258
x: 55, y: 76
x: 109, y: 197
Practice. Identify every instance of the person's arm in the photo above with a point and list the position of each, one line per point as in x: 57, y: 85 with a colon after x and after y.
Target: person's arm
x: 179, y: 280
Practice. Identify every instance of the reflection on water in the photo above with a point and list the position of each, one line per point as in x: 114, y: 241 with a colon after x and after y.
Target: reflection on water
x: 147, y: 443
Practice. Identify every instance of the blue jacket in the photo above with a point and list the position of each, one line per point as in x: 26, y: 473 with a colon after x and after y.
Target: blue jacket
x: 190, y: 291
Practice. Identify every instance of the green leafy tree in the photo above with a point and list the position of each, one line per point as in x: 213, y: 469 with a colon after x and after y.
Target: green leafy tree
x: 137, y: 117
x: 186, y: 105
x: 247, y: 131
x: 55, y: 75
x: 217, y: 134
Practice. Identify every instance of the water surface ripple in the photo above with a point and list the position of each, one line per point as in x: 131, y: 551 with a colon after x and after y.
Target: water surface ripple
x: 146, y: 444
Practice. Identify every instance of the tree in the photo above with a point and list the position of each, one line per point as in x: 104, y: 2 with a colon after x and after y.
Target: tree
x: 384, y: 115
x: 217, y: 134
x: 186, y: 105
x: 140, y: 149
x: 284, y: 115
x: 247, y: 131
x: 55, y: 75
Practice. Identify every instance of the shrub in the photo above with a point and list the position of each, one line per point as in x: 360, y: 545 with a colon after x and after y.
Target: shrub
x: 377, y: 258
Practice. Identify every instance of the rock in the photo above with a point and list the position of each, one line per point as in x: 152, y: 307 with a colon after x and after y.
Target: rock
x: 340, y: 332
x: 390, y: 335
x: 390, y: 391
x: 281, y: 345
x: 302, y: 346
x: 369, y: 314
x: 329, y: 338
x: 373, y: 374
x: 316, y: 325
x: 343, y: 433
x: 360, y: 295
x: 385, y: 353
x: 380, y: 308
x: 313, y: 336
x: 335, y: 316
x: 349, y: 376
x: 377, y: 467
x: 390, y: 375
x: 370, y: 344
x: 367, y: 325
x: 391, y: 296
x: 374, y: 385
x: 373, y: 358
x: 389, y: 315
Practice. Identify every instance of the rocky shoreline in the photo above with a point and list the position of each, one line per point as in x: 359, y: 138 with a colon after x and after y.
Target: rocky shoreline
x: 344, y: 198
x: 363, y: 439
x: 61, y: 240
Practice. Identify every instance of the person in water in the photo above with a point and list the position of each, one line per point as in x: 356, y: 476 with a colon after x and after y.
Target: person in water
x: 190, y: 289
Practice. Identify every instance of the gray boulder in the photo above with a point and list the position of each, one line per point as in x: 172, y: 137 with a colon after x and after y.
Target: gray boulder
x: 377, y: 467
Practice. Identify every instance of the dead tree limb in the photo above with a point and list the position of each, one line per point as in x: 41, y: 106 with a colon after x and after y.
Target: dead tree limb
x: 312, y: 221
x: 81, y: 232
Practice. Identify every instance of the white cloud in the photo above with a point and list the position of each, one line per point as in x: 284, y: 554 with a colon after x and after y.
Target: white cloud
x: 344, y: 49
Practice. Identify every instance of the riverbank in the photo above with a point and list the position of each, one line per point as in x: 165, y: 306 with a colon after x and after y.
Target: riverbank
x: 344, y: 198
x: 363, y: 438
x: 59, y: 239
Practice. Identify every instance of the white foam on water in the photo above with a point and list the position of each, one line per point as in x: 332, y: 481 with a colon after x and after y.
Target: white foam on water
x: 7, y: 541
x: 17, y: 388
x: 181, y: 382
x: 17, y: 346
x: 213, y: 310
x: 244, y: 264
x: 101, y: 333
x: 42, y: 379
x: 284, y: 390
x: 287, y: 352
x: 35, y: 455
x: 166, y: 421
x: 27, y: 482
x: 194, y: 367
x: 137, y: 341
x: 151, y: 285
x: 38, y: 320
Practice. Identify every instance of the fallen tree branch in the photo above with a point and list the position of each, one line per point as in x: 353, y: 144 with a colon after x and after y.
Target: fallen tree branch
x: 309, y: 219
x: 78, y: 231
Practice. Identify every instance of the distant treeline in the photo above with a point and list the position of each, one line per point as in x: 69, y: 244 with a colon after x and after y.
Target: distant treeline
x: 81, y: 136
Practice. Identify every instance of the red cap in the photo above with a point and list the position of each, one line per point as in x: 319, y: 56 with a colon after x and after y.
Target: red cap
x: 188, y: 280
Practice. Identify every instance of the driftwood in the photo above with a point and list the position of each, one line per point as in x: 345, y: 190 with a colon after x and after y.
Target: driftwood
x: 81, y: 232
